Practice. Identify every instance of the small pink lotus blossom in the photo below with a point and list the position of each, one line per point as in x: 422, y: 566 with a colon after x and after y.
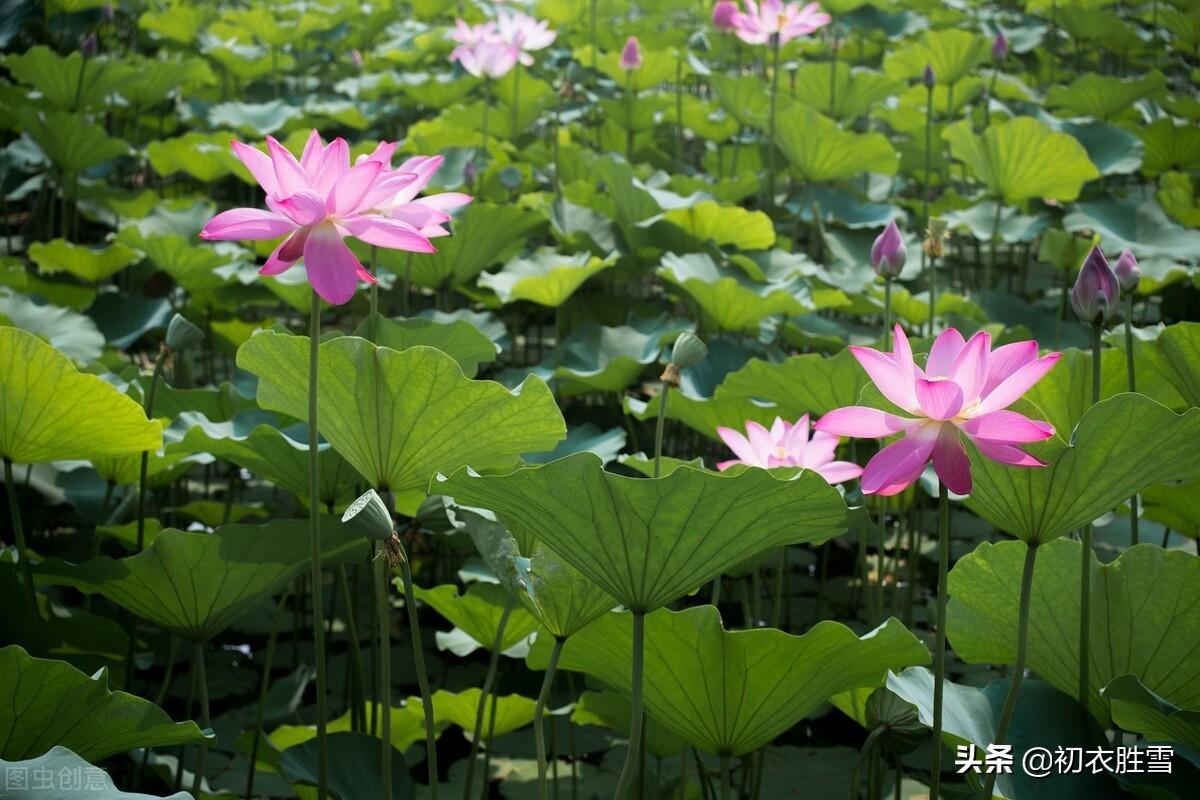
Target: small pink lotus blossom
x: 723, y: 14
x: 631, y: 54
x: 760, y: 22
x: 482, y: 51
x: 963, y: 390
x: 787, y: 445
x: 320, y: 199
x: 528, y: 34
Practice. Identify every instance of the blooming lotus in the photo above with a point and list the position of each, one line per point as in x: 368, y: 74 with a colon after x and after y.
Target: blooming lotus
x: 774, y: 18
x: 963, y: 391
x: 482, y: 51
x: 723, y: 14
x: 321, y: 198
x: 525, y: 32
x: 787, y: 445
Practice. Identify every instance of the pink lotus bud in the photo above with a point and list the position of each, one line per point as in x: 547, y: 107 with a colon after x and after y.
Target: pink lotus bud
x: 89, y: 45
x: 1096, y: 291
x: 722, y: 16
x: 1000, y: 47
x: 631, y: 54
x: 357, y: 58
x: 109, y: 12
x: 1128, y: 273
x: 888, y: 253
x: 928, y: 78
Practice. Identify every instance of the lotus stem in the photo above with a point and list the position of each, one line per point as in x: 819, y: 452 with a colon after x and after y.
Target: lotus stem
x: 939, y: 651
x: 880, y: 561
x: 629, y: 116
x: 384, y: 631
x: 314, y: 516
x: 635, y: 713
x: 481, y: 156
x: 494, y: 700
x: 925, y: 198
x: 1085, y: 556
x: 658, y: 429
x: 715, y: 597
x: 987, y: 98
x: 679, y: 108
x: 23, y: 551
x: 145, y: 465
x: 725, y: 782
x: 990, y: 269
x: 358, y: 675
x: 777, y: 606
x: 1133, y: 501
x: 516, y: 101
x: 1014, y: 687
x: 488, y: 679
x: 770, y: 204
x: 191, y: 703
x: 205, y: 719
x: 263, y: 686
x: 410, y: 604
x: 539, y: 737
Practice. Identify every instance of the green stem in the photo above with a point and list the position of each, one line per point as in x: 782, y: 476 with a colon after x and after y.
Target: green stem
x: 23, y: 552
x: 629, y: 116
x: 987, y: 100
x: 481, y: 156
x: 777, y: 607
x: 887, y: 314
x: 516, y: 103
x: 1085, y: 555
x: 833, y: 65
x: 358, y: 674
x: 205, y: 719
x: 990, y: 270
x: 539, y: 735
x: 635, y: 715
x: 939, y: 652
x: 725, y: 782
x: 383, y: 621
x: 925, y: 194
x: 493, y: 700
x: 263, y: 686
x: 658, y: 429
x: 145, y: 463
x: 679, y: 108
x: 771, y: 125
x: 1133, y: 501
x: 1014, y: 686
x: 410, y: 603
x: 880, y: 561
x: 489, y: 678
x: 314, y: 516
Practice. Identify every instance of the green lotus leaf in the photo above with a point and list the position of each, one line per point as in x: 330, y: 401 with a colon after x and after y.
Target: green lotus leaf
x: 154, y: 79
x: 91, y: 264
x: 1176, y: 355
x: 354, y: 767
x: 731, y: 692
x: 819, y: 150
x: 707, y: 118
x: 803, y: 384
x: 658, y: 66
x: 70, y: 141
x: 630, y: 200
x: 196, y: 584
x: 253, y: 119
x: 204, y: 156
x: 734, y: 302
x: 217, y: 403
x: 1114, y: 151
x: 478, y: 612
x: 376, y: 413
x: 1178, y: 200
x: 648, y: 542
x: 1022, y: 159
x: 725, y: 225
x: 836, y: 205
x: 1176, y: 506
x: 854, y: 91
x: 457, y: 338
x: 546, y: 277
x: 607, y: 444
x: 746, y: 98
x: 952, y: 53
x: 1170, y: 147
x: 179, y: 21
x: 1143, y: 617
x: 611, y: 709
x: 1139, y: 710
x: 513, y: 711
x: 162, y: 466
x: 1014, y: 226
x: 1079, y: 483
x: 193, y: 266
x: 59, y: 761
x: 71, y: 82
x: 408, y: 728
x: 71, y: 333
x: 49, y: 411
x: 1088, y: 21
x: 46, y: 703
x: 1102, y: 96
x: 211, y: 513
x: 1142, y: 226
x: 61, y: 293
x: 437, y: 91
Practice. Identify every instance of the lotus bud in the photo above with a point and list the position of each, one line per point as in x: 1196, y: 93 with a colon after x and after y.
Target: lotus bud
x: 470, y: 173
x: 89, y: 45
x: 1096, y: 291
x: 935, y: 236
x: 1128, y: 273
x: 928, y: 78
x: 182, y: 334
x: 1000, y: 47
x: 723, y: 14
x: 376, y: 518
x: 357, y: 57
x: 109, y: 12
x: 631, y: 54
x: 888, y: 253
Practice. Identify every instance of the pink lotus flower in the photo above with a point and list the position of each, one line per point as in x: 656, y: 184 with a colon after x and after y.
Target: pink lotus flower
x: 787, y: 445
x: 320, y: 199
x: 723, y: 14
x: 759, y: 23
x: 482, y: 50
x: 527, y: 33
x: 963, y: 390
x: 631, y: 54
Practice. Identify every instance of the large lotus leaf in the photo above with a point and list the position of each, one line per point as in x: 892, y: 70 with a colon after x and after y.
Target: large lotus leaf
x: 1114, y: 151
x: 1178, y: 200
x: 68, y: 83
x: 1022, y: 159
x: 513, y: 711
x: 196, y: 584
x: 253, y: 119
x: 44, y: 703
x: 746, y: 98
x: 648, y: 542
x: 179, y: 21
x: 478, y: 612
x: 155, y: 78
x: 546, y: 277
x: 408, y: 728
x: 193, y: 265
x: 70, y: 141
x: 71, y: 333
x: 457, y: 338
x: 1170, y: 147
x: 725, y: 225
x: 1150, y: 442
x: 607, y: 444
x: 1176, y: 355
x: 1142, y: 226
x: 631, y: 201
x: 850, y: 95
x: 658, y: 66
x: 1175, y: 506
x: 400, y: 417
x: 50, y: 411
x: 1135, y: 708
x: 733, y: 301
x: 835, y: 205
x: 86, y: 263
x: 803, y: 384
x: 611, y: 709
x: 819, y: 150
x: 354, y: 767
x: 1144, y: 618
x: 704, y: 414
x: 268, y: 453
x: 1102, y: 96
x: 217, y: 403
x: 204, y: 156
x: 1013, y: 226
x: 81, y: 779
x: 952, y: 53
x: 731, y: 692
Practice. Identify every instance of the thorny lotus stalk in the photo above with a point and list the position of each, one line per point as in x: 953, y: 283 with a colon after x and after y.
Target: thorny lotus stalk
x: 770, y: 199
x: 263, y: 686
x: 939, y: 649
x: 314, y: 516
x: 23, y: 552
x: 925, y: 254
x: 484, y: 693
x: 383, y: 619
x: 636, y: 711
x: 205, y: 718
x: 410, y: 604
x: 539, y: 735
x: 1085, y: 556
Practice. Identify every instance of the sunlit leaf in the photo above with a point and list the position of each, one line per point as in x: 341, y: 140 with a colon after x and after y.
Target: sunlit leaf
x: 92, y: 264
x: 478, y: 612
x: 1102, y: 96
x: 819, y: 150
x: 547, y: 277
x: 953, y: 54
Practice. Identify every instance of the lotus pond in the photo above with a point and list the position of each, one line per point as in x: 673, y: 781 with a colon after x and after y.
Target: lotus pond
x: 597, y: 398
